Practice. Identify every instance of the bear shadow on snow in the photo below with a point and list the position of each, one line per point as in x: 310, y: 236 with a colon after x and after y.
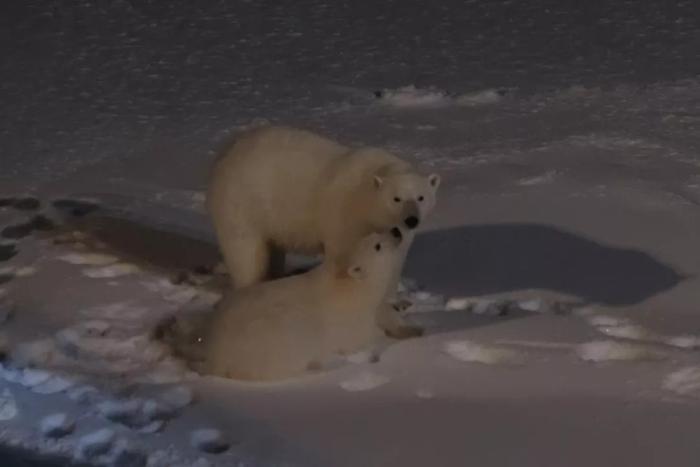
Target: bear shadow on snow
x: 472, y: 260
x: 478, y: 260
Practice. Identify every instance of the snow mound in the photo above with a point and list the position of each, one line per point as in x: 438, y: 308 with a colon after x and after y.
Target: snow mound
x: 412, y: 97
x: 57, y: 425
x: 685, y: 381
x: 630, y: 331
x: 92, y: 259
x: 178, y: 397
x: 114, y: 270
x: 95, y: 444
x: 602, y: 351
x: 364, y: 381
x: 208, y: 440
x: 8, y: 405
x: 467, y: 351
x: 124, y: 454
x: 625, y: 329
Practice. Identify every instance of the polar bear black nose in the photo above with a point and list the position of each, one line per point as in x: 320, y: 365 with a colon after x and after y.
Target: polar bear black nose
x: 411, y: 222
x: 396, y: 233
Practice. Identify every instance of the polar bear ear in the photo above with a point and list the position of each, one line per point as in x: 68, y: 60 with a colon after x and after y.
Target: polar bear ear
x: 434, y: 180
x: 378, y: 181
x: 356, y: 272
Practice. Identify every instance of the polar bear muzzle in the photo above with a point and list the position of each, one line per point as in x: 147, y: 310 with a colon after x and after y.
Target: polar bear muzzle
x: 411, y: 222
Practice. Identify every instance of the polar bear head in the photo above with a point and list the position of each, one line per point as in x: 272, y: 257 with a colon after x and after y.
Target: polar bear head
x: 405, y: 198
x: 373, y: 257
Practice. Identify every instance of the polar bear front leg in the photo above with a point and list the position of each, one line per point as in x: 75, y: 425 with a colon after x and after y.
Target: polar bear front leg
x: 247, y: 259
x: 393, y: 325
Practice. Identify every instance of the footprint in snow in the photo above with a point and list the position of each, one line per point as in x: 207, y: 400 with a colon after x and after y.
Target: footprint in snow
x: 57, y: 425
x: 7, y: 251
x: 27, y: 203
x: 209, y: 440
x: 75, y: 207
x: 95, y: 444
x: 19, y: 231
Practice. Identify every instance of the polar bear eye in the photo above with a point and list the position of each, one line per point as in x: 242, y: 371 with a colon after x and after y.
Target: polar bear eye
x: 378, y: 246
x: 397, y: 199
x: 420, y: 199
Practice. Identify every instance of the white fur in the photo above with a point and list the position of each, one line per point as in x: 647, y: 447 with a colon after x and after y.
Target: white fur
x: 282, y: 190
x: 281, y: 328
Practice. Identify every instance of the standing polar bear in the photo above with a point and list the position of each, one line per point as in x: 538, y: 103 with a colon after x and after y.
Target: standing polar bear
x: 281, y: 328
x: 279, y: 189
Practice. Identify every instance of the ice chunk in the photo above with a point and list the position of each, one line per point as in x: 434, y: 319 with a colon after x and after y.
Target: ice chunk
x: 57, y: 425
x: 209, y: 440
x: 364, y: 381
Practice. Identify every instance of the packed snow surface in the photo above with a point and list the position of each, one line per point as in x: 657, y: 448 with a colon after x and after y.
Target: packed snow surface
x: 564, y: 238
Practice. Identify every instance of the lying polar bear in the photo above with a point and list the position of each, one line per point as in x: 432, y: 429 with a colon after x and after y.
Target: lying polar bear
x: 282, y: 328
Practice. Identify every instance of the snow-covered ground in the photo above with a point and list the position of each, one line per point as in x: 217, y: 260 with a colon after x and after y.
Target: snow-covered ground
x: 557, y: 278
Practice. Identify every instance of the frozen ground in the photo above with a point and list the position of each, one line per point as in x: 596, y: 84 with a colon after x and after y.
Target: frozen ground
x: 558, y: 277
